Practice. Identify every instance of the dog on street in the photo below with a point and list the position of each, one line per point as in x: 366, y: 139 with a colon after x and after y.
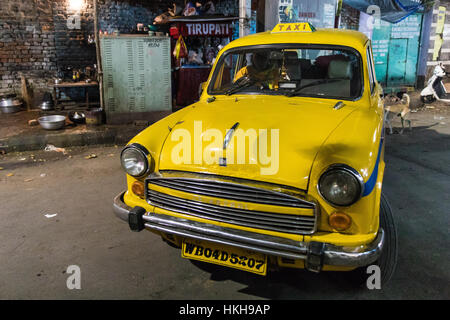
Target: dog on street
x: 394, y: 107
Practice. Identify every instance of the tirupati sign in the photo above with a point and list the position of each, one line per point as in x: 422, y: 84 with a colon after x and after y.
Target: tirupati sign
x: 206, y: 29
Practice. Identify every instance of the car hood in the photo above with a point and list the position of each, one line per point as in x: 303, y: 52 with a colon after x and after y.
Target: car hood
x: 292, y: 128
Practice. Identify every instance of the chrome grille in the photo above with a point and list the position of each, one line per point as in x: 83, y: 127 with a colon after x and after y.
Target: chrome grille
x: 232, y: 191
x: 289, y: 223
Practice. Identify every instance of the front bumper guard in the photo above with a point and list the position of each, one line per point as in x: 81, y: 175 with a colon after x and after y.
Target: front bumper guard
x: 315, y: 254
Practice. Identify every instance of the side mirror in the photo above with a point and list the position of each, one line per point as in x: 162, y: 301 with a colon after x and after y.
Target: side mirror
x: 201, y: 87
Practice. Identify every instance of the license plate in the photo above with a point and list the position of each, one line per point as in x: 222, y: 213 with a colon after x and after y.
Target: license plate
x: 225, y: 255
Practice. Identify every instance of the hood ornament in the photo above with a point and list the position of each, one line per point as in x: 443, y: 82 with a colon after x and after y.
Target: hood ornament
x: 226, y: 141
x: 229, y: 135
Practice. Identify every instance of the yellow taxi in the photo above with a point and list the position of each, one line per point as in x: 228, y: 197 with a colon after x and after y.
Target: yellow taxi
x: 279, y: 164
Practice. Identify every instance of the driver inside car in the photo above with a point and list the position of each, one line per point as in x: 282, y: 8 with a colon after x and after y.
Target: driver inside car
x: 264, y: 71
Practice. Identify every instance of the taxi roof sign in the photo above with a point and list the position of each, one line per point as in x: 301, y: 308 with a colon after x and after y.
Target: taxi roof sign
x: 294, y: 27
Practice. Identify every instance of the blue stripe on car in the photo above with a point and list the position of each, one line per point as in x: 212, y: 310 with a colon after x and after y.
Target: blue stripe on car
x: 370, y: 184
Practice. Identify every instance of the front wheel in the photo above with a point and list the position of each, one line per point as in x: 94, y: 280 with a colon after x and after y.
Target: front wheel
x: 388, y: 258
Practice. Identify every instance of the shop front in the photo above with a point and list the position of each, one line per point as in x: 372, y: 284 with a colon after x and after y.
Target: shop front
x: 196, y: 40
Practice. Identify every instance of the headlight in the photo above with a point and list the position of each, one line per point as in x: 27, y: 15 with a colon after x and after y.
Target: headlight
x: 341, y: 185
x: 134, y: 160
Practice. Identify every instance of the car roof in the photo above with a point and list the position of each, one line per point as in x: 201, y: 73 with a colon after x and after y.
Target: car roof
x: 340, y: 37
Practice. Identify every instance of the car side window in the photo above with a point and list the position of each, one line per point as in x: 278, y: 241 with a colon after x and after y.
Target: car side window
x: 227, y: 70
x: 371, y: 69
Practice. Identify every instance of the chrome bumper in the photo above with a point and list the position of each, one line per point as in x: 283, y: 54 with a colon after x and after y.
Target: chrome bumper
x: 315, y: 254
x: 120, y: 209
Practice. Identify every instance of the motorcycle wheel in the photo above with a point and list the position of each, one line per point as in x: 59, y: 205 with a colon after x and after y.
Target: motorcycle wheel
x: 427, y: 99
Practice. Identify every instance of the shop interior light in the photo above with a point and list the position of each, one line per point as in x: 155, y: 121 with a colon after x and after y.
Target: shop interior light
x: 76, y: 5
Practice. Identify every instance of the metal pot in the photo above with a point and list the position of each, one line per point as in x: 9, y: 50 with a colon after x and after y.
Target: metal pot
x: 94, y: 117
x: 77, y: 117
x: 53, y: 122
x: 46, y: 105
x: 10, y: 104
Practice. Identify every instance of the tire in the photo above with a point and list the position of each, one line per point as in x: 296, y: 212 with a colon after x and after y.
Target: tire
x: 427, y: 99
x: 388, y: 258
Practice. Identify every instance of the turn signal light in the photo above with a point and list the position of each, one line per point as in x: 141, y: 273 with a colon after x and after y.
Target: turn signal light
x: 138, y: 188
x: 340, y: 221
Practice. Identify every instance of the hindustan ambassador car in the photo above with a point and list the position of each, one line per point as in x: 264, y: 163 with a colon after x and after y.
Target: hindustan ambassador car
x: 279, y: 164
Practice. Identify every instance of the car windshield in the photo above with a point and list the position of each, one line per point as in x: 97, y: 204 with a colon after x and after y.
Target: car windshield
x: 325, y: 72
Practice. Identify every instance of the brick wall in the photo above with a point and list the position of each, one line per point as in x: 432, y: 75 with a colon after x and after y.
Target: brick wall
x: 36, y: 39
x: 124, y: 15
x: 26, y: 43
x: 71, y: 32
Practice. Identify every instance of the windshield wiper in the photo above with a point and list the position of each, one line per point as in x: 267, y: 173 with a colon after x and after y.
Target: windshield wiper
x: 315, y: 83
x: 240, y: 84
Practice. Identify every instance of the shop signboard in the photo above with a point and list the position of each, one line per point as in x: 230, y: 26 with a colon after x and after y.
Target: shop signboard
x: 206, y: 29
x: 320, y: 13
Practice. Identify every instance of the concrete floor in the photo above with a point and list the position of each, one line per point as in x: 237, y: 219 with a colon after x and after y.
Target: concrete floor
x: 116, y: 263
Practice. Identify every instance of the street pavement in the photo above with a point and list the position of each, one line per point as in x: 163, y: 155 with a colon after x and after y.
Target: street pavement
x: 56, y: 211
